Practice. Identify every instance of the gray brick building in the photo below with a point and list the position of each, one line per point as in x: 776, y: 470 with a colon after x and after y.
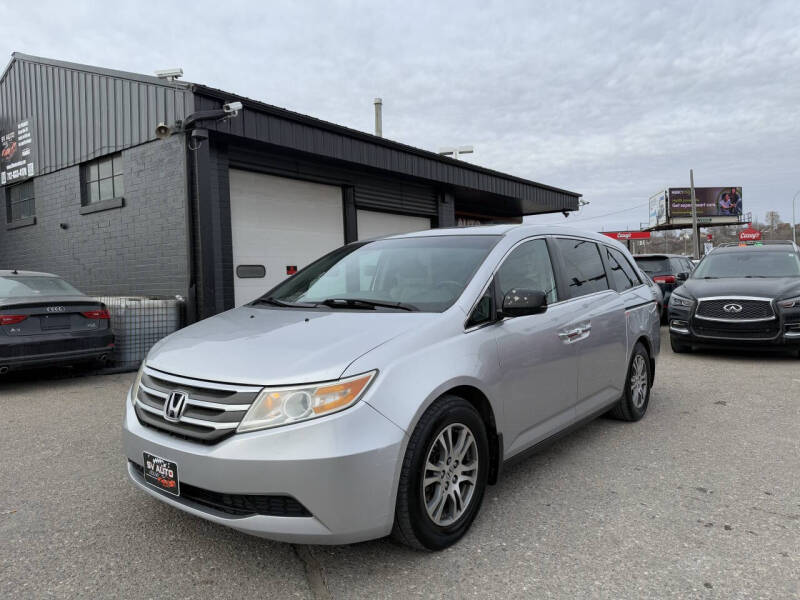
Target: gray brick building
x: 224, y: 206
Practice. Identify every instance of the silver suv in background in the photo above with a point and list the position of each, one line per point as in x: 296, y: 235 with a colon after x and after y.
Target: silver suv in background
x: 380, y: 389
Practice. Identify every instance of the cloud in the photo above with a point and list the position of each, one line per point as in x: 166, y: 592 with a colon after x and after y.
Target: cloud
x: 614, y: 100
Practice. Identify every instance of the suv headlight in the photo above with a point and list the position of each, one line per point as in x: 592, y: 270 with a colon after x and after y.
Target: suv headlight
x: 676, y: 300
x: 136, y: 382
x: 790, y: 303
x: 280, y: 406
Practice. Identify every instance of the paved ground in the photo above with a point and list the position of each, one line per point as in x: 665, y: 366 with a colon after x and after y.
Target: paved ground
x: 699, y: 500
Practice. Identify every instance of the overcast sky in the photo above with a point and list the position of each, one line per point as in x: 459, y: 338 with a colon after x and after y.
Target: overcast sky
x: 614, y: 100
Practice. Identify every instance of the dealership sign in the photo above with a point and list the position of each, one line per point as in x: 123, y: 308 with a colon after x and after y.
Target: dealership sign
x: 747, y: 235
x: 16, y: 153
x: 710, y: 202
x: 628, y: 235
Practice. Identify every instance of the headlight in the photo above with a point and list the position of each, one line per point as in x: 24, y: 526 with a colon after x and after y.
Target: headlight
x: 280, y: 406
x: 136, y: 382
x: 790, y: 303
x: 675, y: 300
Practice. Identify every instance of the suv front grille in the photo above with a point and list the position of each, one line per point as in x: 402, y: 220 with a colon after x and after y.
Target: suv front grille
x: 735, y: 309
x: 240, y: 505
x: 212, y: 411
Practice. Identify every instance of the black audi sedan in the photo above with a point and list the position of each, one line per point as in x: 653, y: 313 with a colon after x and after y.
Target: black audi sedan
x: 46, y: 321
x: 740, y: 296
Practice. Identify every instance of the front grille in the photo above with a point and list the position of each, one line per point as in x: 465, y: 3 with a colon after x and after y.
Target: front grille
x: 240, y: 505
x: 748, y: 309
x: 757, y: 330
x: 212, y: 411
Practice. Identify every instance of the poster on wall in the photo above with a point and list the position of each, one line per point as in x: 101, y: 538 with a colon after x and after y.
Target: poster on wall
x: 711, y: 202
x: 16, y: 153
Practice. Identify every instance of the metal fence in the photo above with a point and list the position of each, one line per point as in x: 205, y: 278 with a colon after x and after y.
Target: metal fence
x: 139, y: 322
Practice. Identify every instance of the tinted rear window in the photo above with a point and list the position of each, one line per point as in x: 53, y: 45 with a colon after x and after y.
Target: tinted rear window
x: 654, y: 266
x: 21, y: 286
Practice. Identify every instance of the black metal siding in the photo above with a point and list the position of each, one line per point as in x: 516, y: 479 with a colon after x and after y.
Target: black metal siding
x: 289, y: 130
x: 80, y: 114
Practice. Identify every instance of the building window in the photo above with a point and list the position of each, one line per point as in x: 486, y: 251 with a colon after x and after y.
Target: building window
x: 19, y: 202
x: 102, y: 180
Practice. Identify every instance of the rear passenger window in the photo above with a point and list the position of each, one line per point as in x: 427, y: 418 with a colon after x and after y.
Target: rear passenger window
x: 622, y: 274
x: 583, y: 267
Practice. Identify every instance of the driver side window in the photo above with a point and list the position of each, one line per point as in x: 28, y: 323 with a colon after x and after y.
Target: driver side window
x: 528, y: 267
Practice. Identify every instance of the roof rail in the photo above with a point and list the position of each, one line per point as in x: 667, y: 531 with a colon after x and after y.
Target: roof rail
x: 758, y: 243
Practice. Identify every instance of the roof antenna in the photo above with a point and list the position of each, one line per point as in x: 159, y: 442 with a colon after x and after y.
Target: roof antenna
x: 14, y: 272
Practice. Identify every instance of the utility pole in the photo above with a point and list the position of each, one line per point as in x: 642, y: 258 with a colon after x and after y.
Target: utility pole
x: 379, y: 117
x: 695, y: 228
x: 794, y: 219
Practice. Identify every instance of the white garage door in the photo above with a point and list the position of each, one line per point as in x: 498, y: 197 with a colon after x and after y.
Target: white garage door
x: 278, y: 224
x: 375, y: 224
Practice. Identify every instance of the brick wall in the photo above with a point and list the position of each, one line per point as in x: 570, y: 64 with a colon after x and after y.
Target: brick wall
x: 139, y: 249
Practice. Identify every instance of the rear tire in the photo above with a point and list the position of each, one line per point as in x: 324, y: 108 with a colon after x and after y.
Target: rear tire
x: 633, y: 404
x: 678, y: 347
x: 434, y: 478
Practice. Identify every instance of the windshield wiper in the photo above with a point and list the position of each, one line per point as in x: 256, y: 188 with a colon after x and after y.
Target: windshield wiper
x: 276, y: 302
x: 359, y: 303
x: 709, y: 277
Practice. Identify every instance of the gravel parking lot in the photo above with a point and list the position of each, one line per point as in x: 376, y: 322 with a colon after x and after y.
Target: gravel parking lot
x: 699, y: 500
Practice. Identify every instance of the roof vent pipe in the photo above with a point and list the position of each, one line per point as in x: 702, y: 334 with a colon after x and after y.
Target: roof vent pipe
x: 379, y: 117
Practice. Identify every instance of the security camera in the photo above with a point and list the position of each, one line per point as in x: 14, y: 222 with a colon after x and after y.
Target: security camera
x: 163, y: 131
x: 231, y: 108
x: 170, y: 74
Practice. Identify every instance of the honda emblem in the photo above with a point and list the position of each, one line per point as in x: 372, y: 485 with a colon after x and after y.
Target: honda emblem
x: 174, y: 405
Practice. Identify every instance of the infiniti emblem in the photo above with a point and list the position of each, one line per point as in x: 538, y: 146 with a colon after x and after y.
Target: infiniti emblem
x: 732, y: 308
x: 174, y: 405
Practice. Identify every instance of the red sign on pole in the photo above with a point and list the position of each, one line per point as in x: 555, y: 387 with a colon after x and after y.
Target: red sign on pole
x: 746, y: 235
x: 627, y: 235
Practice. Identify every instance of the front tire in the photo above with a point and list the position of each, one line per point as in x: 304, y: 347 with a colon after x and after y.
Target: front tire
x: 633, y: 404
x: 444, y: 476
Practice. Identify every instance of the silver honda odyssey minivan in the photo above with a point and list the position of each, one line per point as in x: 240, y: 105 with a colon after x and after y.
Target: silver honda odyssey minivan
x: 381, y: 389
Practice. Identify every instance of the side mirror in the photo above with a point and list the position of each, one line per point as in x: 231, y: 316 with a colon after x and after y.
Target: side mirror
x: 682, y: 277
x: 518, y: 303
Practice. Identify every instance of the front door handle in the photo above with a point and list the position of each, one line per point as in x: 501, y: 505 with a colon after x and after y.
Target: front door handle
x: 578, y: 333
x: 570, y: 335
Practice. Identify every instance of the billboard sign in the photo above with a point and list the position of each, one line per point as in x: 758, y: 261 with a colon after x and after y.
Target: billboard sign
x: 16, y: 153
x: 711, y: 202
x: 658, y: 209
x: 627, y: 235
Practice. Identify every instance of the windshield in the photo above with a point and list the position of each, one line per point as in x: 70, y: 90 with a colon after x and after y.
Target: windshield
x: 748, y: 264
x: 20, y: 286
x: 423, y: 273
x: 653, y: 266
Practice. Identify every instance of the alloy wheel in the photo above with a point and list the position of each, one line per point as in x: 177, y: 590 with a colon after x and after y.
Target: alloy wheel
x: 638, y: 381
x: 450, y: 474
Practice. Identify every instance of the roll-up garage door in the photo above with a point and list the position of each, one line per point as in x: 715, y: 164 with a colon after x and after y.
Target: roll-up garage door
x: 372, y: 224
x: 279, y: 224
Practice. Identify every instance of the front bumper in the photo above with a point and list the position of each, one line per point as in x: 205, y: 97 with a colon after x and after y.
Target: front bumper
x: 343, y: 468
x: 54, y: 349
x: 785, y: 332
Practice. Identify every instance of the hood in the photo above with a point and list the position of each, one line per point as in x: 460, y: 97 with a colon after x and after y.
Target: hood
x: 275, y: 346
x: 767, y: 287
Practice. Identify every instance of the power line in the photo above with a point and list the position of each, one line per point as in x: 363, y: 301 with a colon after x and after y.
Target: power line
x: 616, y: 212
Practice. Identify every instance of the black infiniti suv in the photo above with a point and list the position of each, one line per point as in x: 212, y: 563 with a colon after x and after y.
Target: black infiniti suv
x: 740, y: 296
